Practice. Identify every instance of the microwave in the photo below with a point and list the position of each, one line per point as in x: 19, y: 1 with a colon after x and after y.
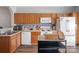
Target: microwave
x: 45, y: 20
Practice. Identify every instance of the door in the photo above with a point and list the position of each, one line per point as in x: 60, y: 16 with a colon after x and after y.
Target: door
x: 70, y: 40
x: 26, y: 38
x: 18, y: 39
x: 13, y: 44
x: 67, y: 25
x: 34, y: 38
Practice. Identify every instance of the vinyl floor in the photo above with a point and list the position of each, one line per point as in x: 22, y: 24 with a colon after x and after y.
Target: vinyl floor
x: 34, y: 49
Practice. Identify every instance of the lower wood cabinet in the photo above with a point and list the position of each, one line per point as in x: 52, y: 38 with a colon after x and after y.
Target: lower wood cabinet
x: 34, y: 38
x: 10, y: 43
x: 18, y: 39
x: 4, y: 44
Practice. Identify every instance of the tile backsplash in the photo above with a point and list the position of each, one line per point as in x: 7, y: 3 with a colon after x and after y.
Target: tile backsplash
x: 34, y: 25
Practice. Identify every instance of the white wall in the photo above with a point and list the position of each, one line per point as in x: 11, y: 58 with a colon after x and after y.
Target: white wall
x: 12, y: 11
x: 5, y: 17
x: 47, y: 9
x: 13, y: 8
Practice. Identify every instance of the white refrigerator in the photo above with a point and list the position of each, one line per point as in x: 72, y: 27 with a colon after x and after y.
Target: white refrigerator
x: 68, y: 27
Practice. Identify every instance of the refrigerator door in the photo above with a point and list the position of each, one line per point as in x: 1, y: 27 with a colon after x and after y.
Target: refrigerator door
x: 67, y: 25
x: 70, y: 40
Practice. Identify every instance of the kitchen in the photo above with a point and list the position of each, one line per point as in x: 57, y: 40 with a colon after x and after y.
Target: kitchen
x: 27, y: 24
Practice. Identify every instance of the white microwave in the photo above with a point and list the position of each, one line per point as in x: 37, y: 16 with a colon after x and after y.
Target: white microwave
x: 45, y: 20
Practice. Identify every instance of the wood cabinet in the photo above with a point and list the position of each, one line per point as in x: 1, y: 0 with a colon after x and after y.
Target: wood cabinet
x: 26, y: 18
x: 77, y: 34
x: 10, y: 43
x: 32, y: 18
x: 4, y: 43
x: 19, y: 18
x: 76, y: 14
x: 64, y: 14
x: 34, y: 38
x: 18, y: 39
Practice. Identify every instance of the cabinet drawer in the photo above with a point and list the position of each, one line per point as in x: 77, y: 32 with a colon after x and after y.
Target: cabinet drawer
x: 35, y: 33
x: 13, y: 37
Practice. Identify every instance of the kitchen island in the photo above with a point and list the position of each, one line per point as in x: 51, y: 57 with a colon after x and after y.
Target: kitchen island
x: 9, y: 42
x: 51, y: 46
x: 51, y: 42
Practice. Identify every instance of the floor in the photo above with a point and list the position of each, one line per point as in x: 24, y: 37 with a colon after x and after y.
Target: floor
x: 34, y: 49
x: 27, y: 49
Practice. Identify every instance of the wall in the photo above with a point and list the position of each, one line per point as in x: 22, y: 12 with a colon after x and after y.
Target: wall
x: 12, y: 10
x: 43, y: 9
x: 76, y: 8
x: 5, y: 17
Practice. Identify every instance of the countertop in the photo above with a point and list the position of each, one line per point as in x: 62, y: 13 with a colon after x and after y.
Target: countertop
x: 11, y: 34
x: 31, y: 30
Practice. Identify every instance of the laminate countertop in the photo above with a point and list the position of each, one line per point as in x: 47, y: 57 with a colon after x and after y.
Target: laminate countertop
x: 31, y: 30
x: 14, y: 33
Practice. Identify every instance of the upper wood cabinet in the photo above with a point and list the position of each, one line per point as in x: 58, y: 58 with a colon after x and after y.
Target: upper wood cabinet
x: 30, y: 18
x: 26, y: 18
x: 64, y: 14
x: 18, y: 18
x: 34, y: 18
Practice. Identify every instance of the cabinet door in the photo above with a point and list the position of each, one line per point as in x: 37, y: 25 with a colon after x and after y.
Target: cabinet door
x: 77, y: 34
x: 18, y: 18
x: 34, y: 37
x: 18, y: 39
x: 26, y: 18
x: 70, y: 40
x: 13, y: 44
x: 4, y: 44
x: 26, y: 38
